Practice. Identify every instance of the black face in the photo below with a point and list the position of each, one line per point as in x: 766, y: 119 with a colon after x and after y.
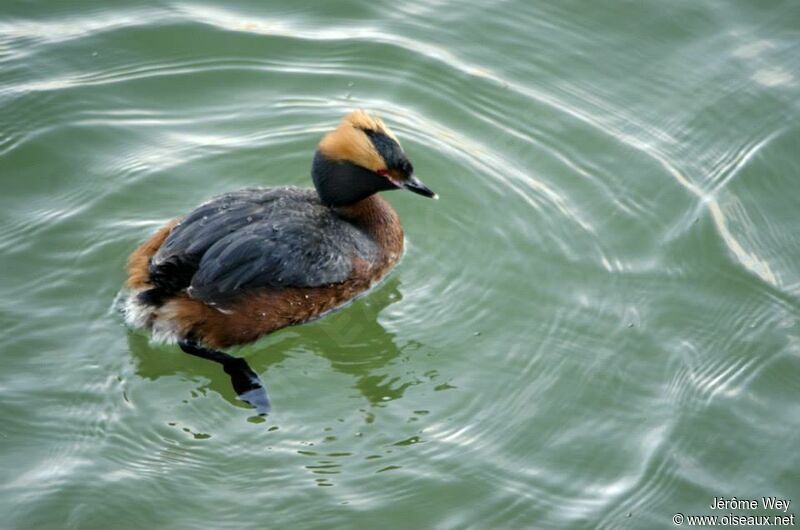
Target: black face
x: 391, y: 152
x: 341, y: 183
x: 399, y: 170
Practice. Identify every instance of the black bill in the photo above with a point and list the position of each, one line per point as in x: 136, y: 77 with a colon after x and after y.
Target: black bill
x: 414, y: 184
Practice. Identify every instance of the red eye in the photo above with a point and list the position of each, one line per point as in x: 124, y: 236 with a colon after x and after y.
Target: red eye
x: 383, y: 172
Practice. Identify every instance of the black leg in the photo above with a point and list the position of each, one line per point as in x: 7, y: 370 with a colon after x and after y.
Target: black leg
x: 245, y: 381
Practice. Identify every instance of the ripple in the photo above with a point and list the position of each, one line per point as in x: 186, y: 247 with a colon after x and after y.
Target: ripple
x: 604, y: 294
x: 69, y: 28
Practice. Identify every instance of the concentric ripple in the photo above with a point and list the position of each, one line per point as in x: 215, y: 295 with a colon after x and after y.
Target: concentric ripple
x: 596, y: 325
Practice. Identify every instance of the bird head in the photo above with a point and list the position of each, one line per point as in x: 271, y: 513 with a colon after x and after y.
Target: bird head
x: 360, y: 157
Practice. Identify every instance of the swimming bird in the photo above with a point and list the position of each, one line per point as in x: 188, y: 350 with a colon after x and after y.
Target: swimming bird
x: 250, y: 262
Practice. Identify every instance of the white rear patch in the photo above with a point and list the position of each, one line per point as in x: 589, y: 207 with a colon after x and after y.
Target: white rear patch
x: 136, y: 314
x: 141, y: 316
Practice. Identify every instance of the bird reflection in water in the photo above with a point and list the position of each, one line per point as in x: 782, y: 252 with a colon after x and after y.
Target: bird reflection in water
x: 352, y: 340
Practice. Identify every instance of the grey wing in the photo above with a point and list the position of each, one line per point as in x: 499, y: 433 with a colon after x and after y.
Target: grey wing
x: 178, y: 259
x: 305, y: 248
x: 220, y: 216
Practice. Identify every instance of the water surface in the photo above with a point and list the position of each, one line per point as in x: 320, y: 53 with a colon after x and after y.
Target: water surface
x: 596, y: 326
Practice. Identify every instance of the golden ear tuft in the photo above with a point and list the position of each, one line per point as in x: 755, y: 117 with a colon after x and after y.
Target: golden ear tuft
x: 349, y: 142
x: 361, y: 119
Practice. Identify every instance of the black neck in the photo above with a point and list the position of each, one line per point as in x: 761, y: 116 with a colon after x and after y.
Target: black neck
x: 340, y: 183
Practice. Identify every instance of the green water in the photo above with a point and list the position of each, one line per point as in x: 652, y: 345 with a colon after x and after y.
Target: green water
x: 598, y: 325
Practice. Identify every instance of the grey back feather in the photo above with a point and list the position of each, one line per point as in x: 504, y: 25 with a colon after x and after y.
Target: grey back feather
x: 253, y: 238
